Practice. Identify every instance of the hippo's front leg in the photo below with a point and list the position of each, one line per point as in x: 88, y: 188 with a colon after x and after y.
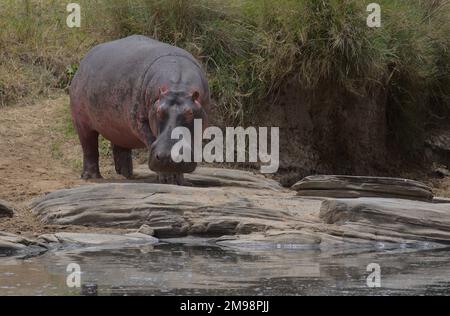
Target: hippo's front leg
x: 123, y: 161
x: 145, y: 133
x: 171, y: 178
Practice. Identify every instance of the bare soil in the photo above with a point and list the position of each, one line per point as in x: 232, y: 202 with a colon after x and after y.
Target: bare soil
x: 37, y: 157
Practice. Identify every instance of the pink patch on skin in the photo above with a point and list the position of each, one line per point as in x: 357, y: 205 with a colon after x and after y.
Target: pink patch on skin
x: 198, y: 104
x: 159, y: 112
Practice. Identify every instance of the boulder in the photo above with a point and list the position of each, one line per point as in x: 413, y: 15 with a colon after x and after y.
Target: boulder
x: 6, y: 209
x: 392, y: 218
x: 358, y: 186
x: 173, y: 211
x: 262, y: 215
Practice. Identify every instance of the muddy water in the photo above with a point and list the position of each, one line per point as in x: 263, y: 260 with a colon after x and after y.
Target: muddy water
x: 200, y: 269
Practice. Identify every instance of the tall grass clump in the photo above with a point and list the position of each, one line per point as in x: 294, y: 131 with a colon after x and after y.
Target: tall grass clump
x: 327, y: 44
x: 419, y: 69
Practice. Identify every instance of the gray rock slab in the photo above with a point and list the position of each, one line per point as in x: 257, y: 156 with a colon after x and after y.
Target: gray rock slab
x: 358, y: 186
x: 260, y: 214
x: 438, y: 199
x: 172, y: 211
x: 392, y: 218
x: 12, y: 244
x: 98, y: 239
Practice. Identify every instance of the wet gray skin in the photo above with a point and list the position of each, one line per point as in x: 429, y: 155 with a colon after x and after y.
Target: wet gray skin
x: 134, y: 91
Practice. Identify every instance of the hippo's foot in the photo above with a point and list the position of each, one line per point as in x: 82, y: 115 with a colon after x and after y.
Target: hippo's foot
x: 91, y: 175
x: 123, y: 161
x: 171, y: 178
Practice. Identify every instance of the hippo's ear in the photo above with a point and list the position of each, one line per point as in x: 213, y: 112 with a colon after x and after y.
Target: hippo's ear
x: 163, y: 90
x: 195, y: 96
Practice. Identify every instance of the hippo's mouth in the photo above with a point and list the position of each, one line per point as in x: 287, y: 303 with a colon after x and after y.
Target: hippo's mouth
x: 170, y: 166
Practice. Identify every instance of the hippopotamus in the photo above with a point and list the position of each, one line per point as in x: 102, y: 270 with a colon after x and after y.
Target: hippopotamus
x: 134, y: 91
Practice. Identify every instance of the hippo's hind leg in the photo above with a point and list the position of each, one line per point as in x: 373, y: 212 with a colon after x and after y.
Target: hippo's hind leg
x: 123, y: 161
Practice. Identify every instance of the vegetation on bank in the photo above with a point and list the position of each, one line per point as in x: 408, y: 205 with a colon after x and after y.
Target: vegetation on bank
x: 250, y: 49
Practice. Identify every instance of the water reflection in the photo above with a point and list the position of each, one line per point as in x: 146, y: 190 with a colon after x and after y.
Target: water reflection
x: 181, y: 269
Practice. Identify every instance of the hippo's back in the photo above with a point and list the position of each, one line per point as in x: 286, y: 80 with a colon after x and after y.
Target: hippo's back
x: 117, y: 67
x: 132, y: 52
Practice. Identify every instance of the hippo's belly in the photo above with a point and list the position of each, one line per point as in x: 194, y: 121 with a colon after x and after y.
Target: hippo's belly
x: 125, y: 140
x: 117, y: 131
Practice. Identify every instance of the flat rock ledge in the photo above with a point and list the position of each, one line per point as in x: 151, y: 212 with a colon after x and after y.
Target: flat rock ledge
x: 11, y: 244
x: 92, y: 239
x: 172, y: 211
x: 6, y: 209
x: 392, y: 218
x: 357, y: 186
x: 15, y: 245
x: 261, y: 215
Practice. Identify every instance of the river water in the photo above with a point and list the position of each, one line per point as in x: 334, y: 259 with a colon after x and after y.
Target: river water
x: 202, y: 269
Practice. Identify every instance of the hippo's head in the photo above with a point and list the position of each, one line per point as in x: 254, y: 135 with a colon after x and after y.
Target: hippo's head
x: 171, y: 110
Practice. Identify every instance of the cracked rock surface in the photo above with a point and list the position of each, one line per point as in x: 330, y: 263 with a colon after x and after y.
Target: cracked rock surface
x: 242, y: 209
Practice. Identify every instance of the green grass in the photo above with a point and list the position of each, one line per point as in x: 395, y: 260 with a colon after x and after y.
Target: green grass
x: 251, y: 49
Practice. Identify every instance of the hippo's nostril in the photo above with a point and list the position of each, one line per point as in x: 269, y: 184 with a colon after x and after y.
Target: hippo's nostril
x: 162, y: 157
